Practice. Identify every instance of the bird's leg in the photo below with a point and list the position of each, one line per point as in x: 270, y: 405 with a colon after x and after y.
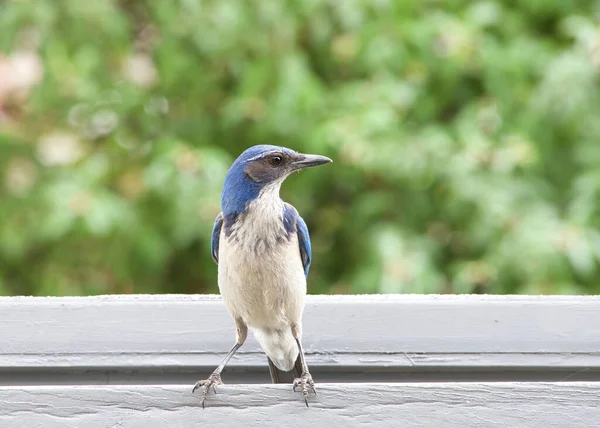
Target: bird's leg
x: 305, y: 381
x: 215, y: 378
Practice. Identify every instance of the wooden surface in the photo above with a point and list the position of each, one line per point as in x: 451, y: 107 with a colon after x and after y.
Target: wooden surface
x: 405, y: 361
x: 465, y: 405
x: 339, y: 331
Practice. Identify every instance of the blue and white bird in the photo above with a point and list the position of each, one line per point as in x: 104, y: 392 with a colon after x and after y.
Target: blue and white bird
x: 262, y: 248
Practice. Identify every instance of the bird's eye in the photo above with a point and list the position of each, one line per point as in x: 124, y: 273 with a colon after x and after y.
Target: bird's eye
x: 275, y: 160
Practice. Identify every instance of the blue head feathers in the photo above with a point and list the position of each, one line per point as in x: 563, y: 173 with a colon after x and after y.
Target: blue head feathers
x: 258, y: 167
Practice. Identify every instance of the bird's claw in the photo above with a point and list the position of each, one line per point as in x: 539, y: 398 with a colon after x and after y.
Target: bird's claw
x: 213, y: 380
x: 305, y: 382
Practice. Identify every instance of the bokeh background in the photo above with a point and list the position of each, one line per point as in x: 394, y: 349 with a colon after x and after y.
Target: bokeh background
x: 465, y: 136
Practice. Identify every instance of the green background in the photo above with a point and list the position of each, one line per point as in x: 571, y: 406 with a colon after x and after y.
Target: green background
x: 465, y: 139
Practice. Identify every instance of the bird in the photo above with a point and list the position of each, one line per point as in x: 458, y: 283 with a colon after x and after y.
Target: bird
x: 263, y: 253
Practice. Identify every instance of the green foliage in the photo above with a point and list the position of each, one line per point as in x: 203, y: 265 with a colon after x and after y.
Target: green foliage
x: 464, y: 137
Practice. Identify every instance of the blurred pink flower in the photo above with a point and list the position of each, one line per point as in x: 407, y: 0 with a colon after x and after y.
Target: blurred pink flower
x: 20, y: 176
x: 139, y: 69
x: 60, y: 148
x: 19, y: 73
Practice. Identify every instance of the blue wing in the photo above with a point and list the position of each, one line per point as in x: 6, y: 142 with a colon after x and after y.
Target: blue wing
x: 291, y: 218
x: 216, y: 236
x: 304, y: 242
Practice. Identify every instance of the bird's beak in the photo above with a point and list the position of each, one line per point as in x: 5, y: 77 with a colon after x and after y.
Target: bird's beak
x: 306, y: 161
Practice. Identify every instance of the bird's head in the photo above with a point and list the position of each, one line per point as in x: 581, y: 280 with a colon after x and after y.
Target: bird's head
x: 259, y: 168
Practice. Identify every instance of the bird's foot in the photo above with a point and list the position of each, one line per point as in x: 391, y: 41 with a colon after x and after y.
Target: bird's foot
x: 213, y: 380
x: 306, y: 383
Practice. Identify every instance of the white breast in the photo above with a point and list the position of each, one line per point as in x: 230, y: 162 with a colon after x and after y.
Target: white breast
x: 261, y: 277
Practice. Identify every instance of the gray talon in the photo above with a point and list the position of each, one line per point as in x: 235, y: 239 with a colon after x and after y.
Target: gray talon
x: 305, y: 382
x: 213, y: 380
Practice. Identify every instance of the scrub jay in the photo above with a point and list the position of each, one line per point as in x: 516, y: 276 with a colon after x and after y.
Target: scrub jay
x: 262, y: 248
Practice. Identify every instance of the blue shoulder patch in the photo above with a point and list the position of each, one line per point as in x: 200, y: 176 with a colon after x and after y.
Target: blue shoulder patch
x: 304, y: 242
x: 295, y: 224
x: 290, y: 216
x: 216, y: 236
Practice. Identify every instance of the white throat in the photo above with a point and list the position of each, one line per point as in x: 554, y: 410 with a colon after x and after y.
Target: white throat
x: 261, y: 226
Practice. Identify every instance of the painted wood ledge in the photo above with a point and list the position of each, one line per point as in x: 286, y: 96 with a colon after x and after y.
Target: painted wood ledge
x: 394, y: 331
x: 487, y: 405
x: 131, y: 361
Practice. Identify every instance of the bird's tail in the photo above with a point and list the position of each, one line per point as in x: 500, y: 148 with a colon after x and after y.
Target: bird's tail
x: 282, y: 351
x: 279, y: 376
